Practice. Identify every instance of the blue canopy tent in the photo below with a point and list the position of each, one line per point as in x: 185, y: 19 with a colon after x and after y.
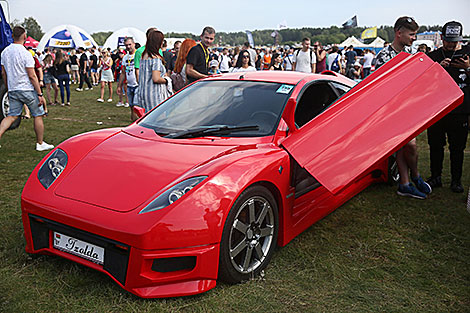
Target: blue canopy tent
x: 66, y: 36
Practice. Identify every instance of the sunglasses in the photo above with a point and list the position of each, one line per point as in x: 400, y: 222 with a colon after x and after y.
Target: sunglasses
x: 246, y: 56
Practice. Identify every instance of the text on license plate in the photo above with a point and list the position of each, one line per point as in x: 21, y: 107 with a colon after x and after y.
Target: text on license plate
x: 78, y: 247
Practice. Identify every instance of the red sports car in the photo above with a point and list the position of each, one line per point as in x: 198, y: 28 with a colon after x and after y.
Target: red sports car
x: 207, y: 184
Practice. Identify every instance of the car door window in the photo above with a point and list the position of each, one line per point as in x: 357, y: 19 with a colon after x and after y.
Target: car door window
x: 314, y: 100
x: 341, y: 89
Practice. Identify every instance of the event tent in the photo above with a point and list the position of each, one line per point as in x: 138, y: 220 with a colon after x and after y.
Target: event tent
x: 117, y: 38
x: 31, y: 42
x: 351, y: 41
x: 66, y: 36
x: 377, y: 44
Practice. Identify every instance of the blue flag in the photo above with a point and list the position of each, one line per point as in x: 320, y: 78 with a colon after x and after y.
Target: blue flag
x: 5, y: 31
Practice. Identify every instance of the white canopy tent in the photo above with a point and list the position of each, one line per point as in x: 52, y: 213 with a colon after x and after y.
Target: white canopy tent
x: 66, y: 36
x: 170, y: 42
x: 351, y: 41
x: 117, y: 38
x: 377, y: 43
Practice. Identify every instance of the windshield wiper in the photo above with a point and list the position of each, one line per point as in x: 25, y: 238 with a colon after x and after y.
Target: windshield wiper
x: 211, y: 130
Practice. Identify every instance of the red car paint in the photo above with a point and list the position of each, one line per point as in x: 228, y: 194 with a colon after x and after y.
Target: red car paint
x: 111, y: 175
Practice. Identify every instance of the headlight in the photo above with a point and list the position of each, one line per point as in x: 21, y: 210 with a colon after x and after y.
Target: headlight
x: 172, y: 194
x: 52, y: 168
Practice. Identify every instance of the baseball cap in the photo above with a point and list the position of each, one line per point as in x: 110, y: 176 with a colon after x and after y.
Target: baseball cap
x: 213, y: 63
x: 452, y: 31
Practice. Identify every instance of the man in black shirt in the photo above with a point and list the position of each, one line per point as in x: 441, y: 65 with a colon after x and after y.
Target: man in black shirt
x: 83, y: 69
x: 167, y: 55
x: 94, y: 67
x: 176, y: 49
x: 198, y: 57
x: 455, y: 124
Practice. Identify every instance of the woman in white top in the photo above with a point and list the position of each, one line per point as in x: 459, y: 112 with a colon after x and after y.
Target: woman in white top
x: 106, y: 76
x: 243, y: 63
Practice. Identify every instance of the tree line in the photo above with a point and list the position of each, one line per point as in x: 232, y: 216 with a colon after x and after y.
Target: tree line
x: 290, y: 36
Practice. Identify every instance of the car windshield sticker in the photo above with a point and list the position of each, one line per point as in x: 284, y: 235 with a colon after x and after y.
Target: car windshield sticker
x: 284, y: 89
x: 238, y: 92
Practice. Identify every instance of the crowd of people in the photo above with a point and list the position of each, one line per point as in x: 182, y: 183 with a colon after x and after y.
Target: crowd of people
x: 147, y: 75
x: 57, y: 68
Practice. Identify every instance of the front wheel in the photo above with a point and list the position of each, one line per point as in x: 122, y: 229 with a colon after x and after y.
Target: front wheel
x: 249, y: 236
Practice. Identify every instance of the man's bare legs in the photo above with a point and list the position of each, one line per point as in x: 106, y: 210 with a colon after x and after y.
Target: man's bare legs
x: 38, y: 126
x: 407, y: 161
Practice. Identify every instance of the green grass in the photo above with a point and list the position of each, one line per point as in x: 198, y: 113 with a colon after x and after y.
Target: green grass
x: 377, y: 253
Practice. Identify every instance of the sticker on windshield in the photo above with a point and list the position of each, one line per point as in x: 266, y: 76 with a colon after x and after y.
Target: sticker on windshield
x: 284, y: 89
x: 238, y: 92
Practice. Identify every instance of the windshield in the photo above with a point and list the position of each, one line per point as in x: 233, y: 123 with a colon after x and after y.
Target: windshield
x: 238, y: 108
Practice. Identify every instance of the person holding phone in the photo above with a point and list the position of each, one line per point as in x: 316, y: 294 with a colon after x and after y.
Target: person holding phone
x: 453, y: 127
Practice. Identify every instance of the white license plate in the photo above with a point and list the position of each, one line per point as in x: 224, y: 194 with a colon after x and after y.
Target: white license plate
x: 78, y: 247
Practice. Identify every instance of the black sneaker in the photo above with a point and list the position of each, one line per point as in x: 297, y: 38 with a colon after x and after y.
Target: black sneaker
x: 435, y: 181
x: 456, y: 186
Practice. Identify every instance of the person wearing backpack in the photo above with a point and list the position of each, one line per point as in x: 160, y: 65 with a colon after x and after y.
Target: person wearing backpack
x: 304, y: 59
x: 334, y: 60
x: 178, y: 77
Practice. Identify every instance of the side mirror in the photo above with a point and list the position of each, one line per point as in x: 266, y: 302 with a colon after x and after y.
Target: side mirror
x: 288, y: 115
x: 138, y: 111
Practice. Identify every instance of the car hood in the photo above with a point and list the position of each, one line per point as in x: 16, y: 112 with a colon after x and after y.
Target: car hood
x: 124, y: 171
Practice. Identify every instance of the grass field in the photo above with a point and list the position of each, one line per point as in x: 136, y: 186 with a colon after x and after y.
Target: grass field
x: 377, y: 253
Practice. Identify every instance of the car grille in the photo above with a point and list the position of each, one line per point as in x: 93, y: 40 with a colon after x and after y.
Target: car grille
x: 116, y: 257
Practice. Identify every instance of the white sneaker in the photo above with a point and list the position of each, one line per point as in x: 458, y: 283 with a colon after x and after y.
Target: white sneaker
x: 119, y: 104
x: 110, y: 100
x: 79, y: 89
x: 43, y: 146
x: 100, y: 100
x: 88, y: 88
x: 126, y: 105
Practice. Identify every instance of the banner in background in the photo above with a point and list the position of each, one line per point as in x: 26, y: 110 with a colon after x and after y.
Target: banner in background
x: 250, y: 38
x: 369, y: 33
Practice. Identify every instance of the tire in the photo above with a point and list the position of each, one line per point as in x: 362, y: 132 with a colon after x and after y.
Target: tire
x: 5, y: 107
x: 393, y: 176
x: 249, y: 236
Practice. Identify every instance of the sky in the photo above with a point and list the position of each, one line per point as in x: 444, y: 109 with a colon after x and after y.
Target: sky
x: 231, y: 16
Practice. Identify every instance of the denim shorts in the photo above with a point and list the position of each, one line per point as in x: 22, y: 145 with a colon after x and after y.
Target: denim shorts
x: 49, y: 79
x: 132, y: 95
x: 19, y: 97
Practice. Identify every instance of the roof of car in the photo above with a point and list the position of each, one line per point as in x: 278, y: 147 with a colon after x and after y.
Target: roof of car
x: 284, y: 77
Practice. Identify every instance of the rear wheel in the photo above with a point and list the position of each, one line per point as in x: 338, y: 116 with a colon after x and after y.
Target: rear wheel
x: 5, y: 107
x: 249, y: 236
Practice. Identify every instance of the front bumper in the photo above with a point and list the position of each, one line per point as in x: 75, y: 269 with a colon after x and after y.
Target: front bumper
x: 145, y: 273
